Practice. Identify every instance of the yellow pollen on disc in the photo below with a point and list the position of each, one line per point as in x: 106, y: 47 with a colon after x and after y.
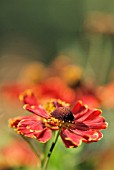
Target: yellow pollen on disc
x: 49, y: 106
x: 53, y: 122
x: 63, y: 103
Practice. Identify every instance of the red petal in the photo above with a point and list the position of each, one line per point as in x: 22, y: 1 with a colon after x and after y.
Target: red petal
x: 98, y: 119
x: 44, y: 136
x: 14, y: 122
x: 89, y: 115
x: 94, y: 114
x: 80, y: 126
x: 97, y: 123
x: 38, y: 110
x: 30, y: 123
x: 79, y: 110
x: 77, y: 107
x: 97, y: 126
x: 32, y: 127
x: 68, y: 143
x: 71, y: 140
x: 98, y: 136
x: 89, y: 135
x: 91, y: 120
x: 28, y: 97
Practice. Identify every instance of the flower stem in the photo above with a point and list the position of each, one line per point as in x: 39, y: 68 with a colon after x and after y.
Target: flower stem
x: 50, y: 151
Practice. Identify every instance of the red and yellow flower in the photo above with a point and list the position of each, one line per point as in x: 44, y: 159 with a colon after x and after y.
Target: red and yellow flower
x: 76, y: 125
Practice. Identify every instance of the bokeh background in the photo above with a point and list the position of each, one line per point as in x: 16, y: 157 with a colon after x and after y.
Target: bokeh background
x: 60, y: 32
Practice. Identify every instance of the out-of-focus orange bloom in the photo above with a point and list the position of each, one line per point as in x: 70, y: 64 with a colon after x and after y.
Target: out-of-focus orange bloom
x: 106, y: 159
x: 98, y: 22
x: 57, y: 64
x: 71, y: 74
x: 63, y: 67
x: 13, y: 90
x: 33, y: 73
x: 90, y: 100
x: 88, y: 95
x: 55, y: 87
x: 106, y: 94
x: 17, y: 153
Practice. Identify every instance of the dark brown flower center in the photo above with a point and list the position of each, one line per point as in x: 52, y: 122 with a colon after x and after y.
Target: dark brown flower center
x: 63, y: 114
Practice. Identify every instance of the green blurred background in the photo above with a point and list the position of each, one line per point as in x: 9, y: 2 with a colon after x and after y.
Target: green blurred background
x: 41, y: 29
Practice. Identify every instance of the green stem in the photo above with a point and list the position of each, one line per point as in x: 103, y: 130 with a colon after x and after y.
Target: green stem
x: 50, y: 151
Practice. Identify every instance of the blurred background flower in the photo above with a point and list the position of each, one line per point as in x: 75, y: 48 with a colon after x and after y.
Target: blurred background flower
x: 17, y: 154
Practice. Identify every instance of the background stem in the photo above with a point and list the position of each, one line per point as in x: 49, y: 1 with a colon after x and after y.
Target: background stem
x: 38, y: 154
